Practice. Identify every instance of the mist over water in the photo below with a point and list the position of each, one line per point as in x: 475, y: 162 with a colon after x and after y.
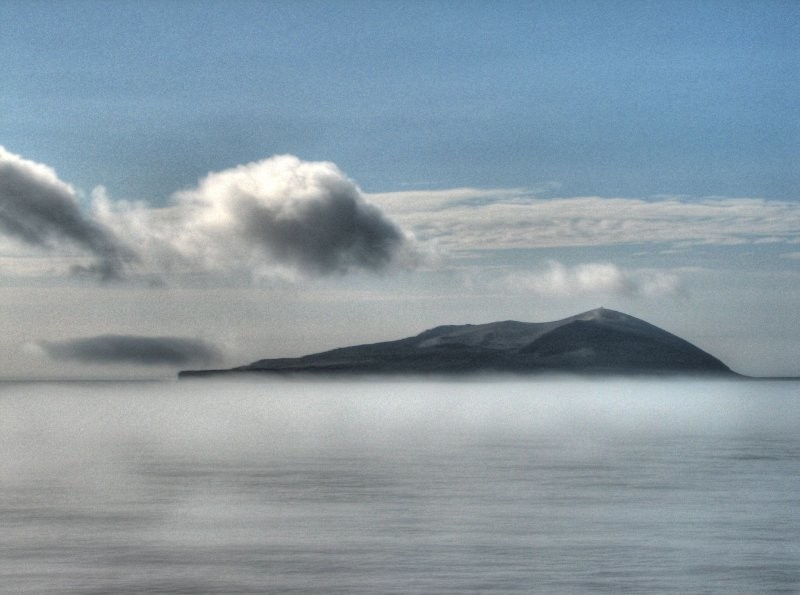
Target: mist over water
x: 400, y: 486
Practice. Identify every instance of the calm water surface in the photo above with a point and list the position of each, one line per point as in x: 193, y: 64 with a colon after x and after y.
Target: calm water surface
x: 398, y: 487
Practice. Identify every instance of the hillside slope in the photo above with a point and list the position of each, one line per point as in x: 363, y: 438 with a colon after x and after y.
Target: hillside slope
x: 597, y: 341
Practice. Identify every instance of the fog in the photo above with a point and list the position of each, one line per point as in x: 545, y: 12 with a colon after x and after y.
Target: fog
x: 93, y: 434
x: 361, y: 486
x: 48, y: 424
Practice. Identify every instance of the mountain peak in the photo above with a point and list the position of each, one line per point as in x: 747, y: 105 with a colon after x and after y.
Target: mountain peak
x: 602, y: 313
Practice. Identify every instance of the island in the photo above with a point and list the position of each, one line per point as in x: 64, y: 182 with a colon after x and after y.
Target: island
x: 599, y: 341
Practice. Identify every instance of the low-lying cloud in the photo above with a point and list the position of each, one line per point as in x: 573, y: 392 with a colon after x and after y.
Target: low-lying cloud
x: 132, y: 349
x: 38, y: 209
x: 596, y: 278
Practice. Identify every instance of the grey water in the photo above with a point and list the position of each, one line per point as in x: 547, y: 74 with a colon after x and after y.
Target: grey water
x: 381, y: 486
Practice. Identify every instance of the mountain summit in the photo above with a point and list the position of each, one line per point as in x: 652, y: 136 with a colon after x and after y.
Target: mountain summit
x: 594, y: 342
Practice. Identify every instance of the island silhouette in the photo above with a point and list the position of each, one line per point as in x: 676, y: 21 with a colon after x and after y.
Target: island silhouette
x: 600, y: 341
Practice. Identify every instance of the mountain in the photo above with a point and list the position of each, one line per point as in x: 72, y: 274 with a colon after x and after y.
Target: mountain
x: 594, y: 342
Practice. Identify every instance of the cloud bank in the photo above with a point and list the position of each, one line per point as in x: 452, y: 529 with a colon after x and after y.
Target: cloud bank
x: 286, y: 217
x: 38, y: 209
x: 132, y: 349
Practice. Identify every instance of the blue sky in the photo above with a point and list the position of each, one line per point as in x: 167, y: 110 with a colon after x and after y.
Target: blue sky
x: 611, y: 98
x: 529, y: 106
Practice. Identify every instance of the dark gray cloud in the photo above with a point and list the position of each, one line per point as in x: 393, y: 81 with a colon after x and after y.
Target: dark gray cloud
x: 39, y: 209
x: 335, y: 232
x: 132, y: 349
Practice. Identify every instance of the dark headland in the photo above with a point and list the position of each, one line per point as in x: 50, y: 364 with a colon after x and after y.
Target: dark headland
x: 600, y: 341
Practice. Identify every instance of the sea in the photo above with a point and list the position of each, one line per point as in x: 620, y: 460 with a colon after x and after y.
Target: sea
x: 495, y: 485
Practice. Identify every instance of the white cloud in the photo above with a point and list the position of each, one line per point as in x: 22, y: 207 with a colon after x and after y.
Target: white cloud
x: 273, y: 216
x: 284, y: 218
x: 277, y: 217
x: 467, y: 219
x: 592, y: 279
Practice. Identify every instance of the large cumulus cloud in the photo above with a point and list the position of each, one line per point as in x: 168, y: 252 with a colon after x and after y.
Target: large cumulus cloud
x: 305, y: 214
x: 38, y: 209
x: 280, y: 213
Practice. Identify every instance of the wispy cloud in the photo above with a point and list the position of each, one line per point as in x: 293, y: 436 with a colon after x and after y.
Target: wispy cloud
x: 592, y: 279
x: 132, y: 349
x: 469, y: 219
x: 38, y: 209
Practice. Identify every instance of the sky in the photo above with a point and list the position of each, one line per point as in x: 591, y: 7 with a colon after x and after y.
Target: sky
x: 204, y: 184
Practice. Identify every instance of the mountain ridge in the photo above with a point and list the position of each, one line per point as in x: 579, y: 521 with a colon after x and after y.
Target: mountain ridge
x: 599, y: 341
